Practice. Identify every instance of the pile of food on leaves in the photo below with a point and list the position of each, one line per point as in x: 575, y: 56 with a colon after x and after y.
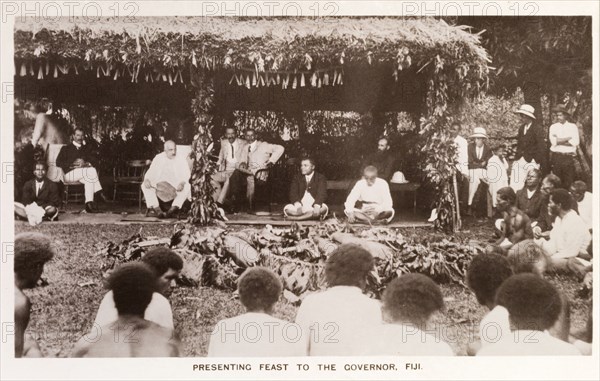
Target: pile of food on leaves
x: 216, y: 257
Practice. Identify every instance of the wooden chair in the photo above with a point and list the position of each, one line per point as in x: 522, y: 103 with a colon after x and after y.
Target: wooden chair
x: 128, y: 179
x: 73, y: 192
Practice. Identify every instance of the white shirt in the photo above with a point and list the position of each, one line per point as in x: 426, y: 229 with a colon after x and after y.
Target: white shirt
x: 256, y: 335
x: 174, y: 171
x: 569, y: 236
x: 479, y: 151
x: 497, y: 171
x: 529, y: 343
x: 231, y: 160
x: 308, y: 199
x: 378, y: 193
x: 567, y: 130
x: 332, y: 319
x: 526, y: 128
x: 530, y: 193
x: 494, y: 326
x: 405, y: 340
x: 38, y: 187
x: 158, y: 311
x: 585, y: 208
x: 462, y: 149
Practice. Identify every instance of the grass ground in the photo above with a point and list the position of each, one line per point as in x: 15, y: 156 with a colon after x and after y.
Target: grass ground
x: 64, y: 310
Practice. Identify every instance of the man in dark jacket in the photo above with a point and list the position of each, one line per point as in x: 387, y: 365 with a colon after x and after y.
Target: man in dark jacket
x: 530, y: 198
x: 308, y: 194
x: 78, y: 163
x: 530, y: 147
x: 43, y: 192
x: 383, y: 160
x: 479, y: 154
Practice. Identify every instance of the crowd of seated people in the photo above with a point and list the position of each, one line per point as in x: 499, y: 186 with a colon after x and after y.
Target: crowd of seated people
x: 340, y: 320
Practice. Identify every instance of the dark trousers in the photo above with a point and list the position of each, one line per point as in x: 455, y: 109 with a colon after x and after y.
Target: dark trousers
x: 563, y: 166
x: 237, y: 187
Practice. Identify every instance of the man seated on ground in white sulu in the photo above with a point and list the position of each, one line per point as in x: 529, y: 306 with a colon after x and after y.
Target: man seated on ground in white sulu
x: 167, y: 167
x: 370, y: 200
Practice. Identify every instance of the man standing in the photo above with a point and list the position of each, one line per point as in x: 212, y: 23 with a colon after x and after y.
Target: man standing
x: 167, y: 167
x: 373, y: 197
x: 258, y: 155
x: 564, y: 140
x: 232, y: 150
x: 530, y: 146
x: 569, y: 236
x: 78, y: 163
x: 32, y: 251
x: 383, y: 160
x: 479, y: 154
x: 308, y: 193
x: 166, y: 265
x: 41, y: 191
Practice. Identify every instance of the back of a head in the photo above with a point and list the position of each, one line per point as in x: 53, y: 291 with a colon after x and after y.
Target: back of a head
x: 259, y: 289
x: 412, y: 298
x: 31, y: 250
x: 554, y: 180
x: 132, y: 285
x: 161, y: 259
x: 485, y: 275
x: 562, y: 197
x: 533, y: 303
x: 527, y: 257
x: 348, y: 265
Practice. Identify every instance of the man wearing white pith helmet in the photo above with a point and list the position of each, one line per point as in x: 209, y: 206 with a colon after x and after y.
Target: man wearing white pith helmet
x: 530, y: 147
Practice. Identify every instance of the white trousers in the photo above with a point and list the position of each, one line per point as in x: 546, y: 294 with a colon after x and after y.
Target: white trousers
x: 372, y: 211
x: 476, y: 176
x: 88, y: 176
x: 152, y: 200
x: 221, y: 177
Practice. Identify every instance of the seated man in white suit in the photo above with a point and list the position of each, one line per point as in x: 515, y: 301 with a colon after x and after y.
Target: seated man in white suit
x: 169, y: 168
x: 374, y: 198
x: 233, y: 149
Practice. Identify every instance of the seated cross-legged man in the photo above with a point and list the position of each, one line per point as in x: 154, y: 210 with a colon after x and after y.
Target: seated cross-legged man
x: 167, y: 168
x: 534, y: 306
x: 308, y: 193
x: 515, y: 225
x: 257, y: 333
x: 78, y: 163
x: 133, y: 285
x: 530, y: 197
x: 167, y: 266
x: 370, y: 200
x: 569, y: 236
x: 41, y: 198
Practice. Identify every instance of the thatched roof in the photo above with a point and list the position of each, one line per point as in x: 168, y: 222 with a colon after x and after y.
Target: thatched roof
x: 269, y: 43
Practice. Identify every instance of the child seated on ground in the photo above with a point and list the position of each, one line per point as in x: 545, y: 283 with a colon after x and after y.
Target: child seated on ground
x: 533, y: 306
x: 409, y: 302
x: 257, y: 333
x: 485, y: 275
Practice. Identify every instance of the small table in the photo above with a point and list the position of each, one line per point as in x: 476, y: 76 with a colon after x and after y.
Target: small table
x: 394, y: 188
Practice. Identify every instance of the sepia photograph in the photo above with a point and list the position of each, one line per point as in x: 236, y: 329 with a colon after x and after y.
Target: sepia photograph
x: 301, y: 190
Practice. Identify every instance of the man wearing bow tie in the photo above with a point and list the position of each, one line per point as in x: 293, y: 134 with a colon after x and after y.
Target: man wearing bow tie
x: 308, y: 193
x: 41, y: 191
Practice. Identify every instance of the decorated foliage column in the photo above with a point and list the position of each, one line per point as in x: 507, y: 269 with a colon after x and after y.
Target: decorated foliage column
x: 204, y: 208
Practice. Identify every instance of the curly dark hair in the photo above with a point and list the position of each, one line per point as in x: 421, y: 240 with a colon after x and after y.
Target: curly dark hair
x: 527, y: 257
x: 161, y: 259
x: 348, y: 265
x: 259, y: 289
x: 508, y: 194
x: 412, y: 298
x: 562, y: 197
x: 31, y: 251
x: 533, y: 303
x: 132, y: 285
x: 485, y: 275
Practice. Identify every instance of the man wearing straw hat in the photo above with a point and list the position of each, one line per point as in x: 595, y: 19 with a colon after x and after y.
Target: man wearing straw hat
x: 479, y: 154
x: 530, y: 147
x: 564, y: 140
